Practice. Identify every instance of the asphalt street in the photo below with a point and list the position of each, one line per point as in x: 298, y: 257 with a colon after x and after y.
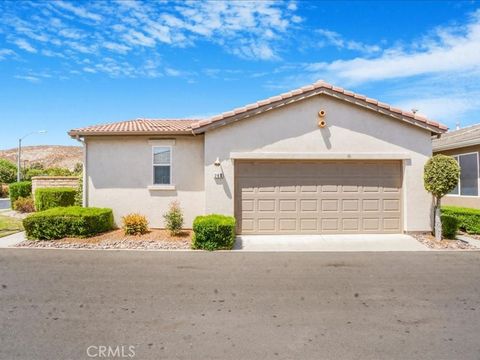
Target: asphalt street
x: 67, y: 304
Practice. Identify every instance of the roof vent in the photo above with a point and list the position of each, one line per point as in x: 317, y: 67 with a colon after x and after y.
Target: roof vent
x: 457, y: 125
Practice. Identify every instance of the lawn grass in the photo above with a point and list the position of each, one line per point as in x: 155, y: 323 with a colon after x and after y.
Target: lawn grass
x: 9, y: 225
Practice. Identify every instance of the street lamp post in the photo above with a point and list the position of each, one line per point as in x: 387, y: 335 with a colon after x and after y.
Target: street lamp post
x: 19, y: 155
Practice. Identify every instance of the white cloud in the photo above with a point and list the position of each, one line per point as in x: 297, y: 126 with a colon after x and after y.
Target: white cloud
x: 454, y: 49
x: 134, y: 37
x: 79, y: 11
x: 172, y: 72
x: 70, y: 30
x: 335, y: 39
x: 120, y: 48
x: 70, y: 33
x: 4, y: 53
x: 24, y: 45
x: 29, y: 78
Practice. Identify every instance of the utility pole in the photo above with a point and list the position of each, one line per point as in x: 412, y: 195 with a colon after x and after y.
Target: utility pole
x: 19, y: 155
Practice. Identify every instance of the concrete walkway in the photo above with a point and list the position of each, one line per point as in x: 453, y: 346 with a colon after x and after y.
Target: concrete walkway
x: 469, y: 240
x: 374, y: 242
x: 12, y: 240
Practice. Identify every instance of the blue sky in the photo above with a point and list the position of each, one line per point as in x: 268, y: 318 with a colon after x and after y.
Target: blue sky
x: 67, y: 64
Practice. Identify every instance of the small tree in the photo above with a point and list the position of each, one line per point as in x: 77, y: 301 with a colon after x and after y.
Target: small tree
x: 440, y: 176
x: 174, y: 218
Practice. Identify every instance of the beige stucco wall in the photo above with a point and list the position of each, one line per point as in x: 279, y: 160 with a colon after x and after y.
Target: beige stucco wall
x: 456, y: 200
x: 293, y: 129
x: 53, y: 181
x: 119, y: 171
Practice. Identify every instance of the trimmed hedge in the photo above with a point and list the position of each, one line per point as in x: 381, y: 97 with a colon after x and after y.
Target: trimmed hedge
x: 449, y: 226
x: 213, y: 232
x: 469, y: 219
x: 19, y: 189
x: 47, y: 198
x: 72, y: 221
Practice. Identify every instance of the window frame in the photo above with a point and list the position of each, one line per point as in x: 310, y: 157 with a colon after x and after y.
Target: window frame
x: 459, y: 191
x: 170, y: 164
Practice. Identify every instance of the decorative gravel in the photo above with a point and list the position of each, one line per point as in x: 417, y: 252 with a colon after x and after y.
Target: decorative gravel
x: 155, y: 239
x: 429, y: 241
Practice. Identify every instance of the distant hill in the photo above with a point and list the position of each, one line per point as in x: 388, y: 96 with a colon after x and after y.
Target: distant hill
x: 47, y: 155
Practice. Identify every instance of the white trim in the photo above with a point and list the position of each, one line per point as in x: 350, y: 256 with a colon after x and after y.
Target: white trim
x: 459, y: 193
x: 161, y: 142
x: 456, y: 145
x: 161, y: 187
x: 169, y: 164
x: 85, y: 177
x: 317, y: 156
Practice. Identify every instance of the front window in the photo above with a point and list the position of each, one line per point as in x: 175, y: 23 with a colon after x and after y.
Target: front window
x: 162, y: 165
x: 468, y: 182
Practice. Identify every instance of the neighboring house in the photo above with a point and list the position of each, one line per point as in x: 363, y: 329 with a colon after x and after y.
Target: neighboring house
x: 463, y: 145
x: 273, y: 164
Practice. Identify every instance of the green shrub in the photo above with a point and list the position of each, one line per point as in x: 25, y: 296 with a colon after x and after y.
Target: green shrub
x: 449, y: 226
x: 19, y: 189
x: 29, y: 173
x: 24, y: 205
x: 58, y: 171
x: 47, y: 198
x: 469, y: 219
x: 70, y: 221
x: 134, y: 224
x: 213, y: 232
x: 174, y: 218
x: 8, y: 171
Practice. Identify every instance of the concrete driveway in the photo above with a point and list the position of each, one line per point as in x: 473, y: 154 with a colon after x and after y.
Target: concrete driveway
x: 354, y: 242
x: 56, y: 304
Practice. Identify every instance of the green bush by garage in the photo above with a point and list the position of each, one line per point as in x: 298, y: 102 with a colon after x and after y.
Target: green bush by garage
x: 468, y: 219
x: 72, y: 221
x: 213, y: 232
x: 449, y: 226
x: 19, y: 189
x: 47, y: 198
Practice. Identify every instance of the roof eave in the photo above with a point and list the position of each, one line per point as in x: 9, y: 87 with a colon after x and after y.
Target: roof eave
x: 75, y: 134
x: 457, y: 145
x: 416, y: 120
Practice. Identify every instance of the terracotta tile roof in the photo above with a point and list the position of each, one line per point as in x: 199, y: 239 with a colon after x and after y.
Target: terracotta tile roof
x: 191, y: 126
x: 320, y: 87
x: 455, y: 139
x: 138, y: 126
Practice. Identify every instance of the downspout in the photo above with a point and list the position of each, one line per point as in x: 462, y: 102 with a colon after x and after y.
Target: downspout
x: 84, y: 175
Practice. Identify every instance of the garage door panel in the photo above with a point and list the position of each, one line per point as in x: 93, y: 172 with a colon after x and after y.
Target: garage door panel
x: 288, y: 205
x: 350, y: 205
x: 287, y: 224
x: 266, y: 205
x: 346, y: 197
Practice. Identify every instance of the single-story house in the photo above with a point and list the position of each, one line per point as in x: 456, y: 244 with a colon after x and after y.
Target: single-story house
x: 318, y: 159
x: 464, y: 145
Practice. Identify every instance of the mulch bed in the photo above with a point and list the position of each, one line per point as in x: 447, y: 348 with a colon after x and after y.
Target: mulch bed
x: 116, y: 239
x: 430, y: 241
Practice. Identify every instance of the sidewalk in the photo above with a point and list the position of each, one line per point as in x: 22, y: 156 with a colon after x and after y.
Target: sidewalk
x: 341, y: 243
x: 12, y: 240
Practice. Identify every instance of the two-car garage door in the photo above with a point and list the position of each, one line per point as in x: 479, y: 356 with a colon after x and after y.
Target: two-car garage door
x: 318, y: 197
